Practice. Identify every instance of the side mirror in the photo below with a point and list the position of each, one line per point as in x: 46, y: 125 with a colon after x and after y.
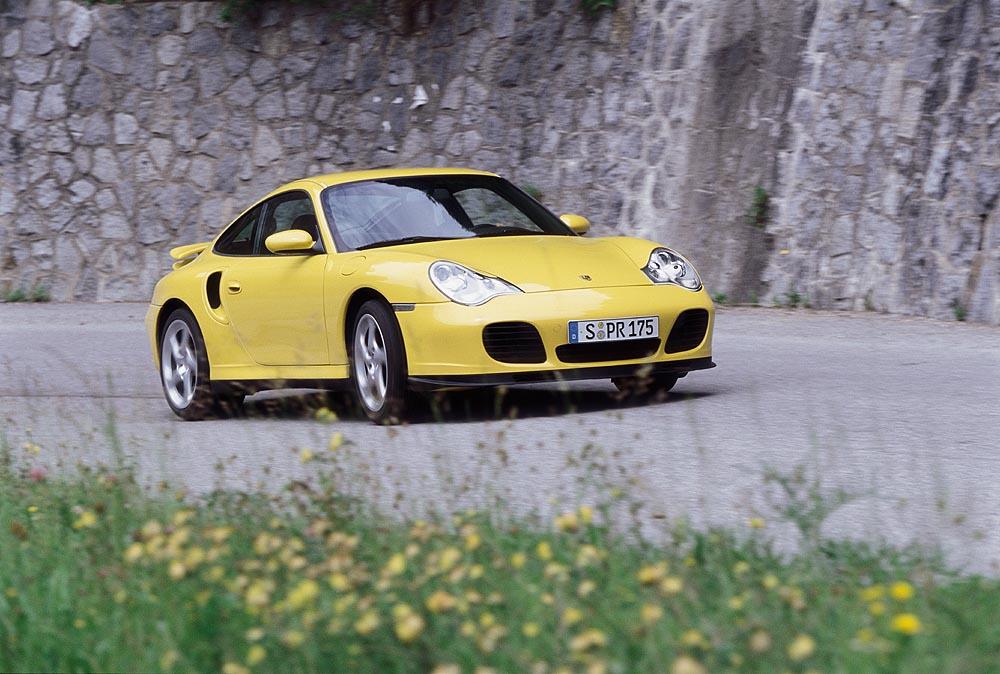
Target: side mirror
x: 288, y: 241
x: 577, y: 223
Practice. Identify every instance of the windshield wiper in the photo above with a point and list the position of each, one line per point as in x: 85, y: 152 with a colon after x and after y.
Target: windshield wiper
x: 512, y: 231
x: 409, y: 239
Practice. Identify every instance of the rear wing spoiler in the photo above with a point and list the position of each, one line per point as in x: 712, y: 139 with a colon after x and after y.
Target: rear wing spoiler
x: 185, y: 254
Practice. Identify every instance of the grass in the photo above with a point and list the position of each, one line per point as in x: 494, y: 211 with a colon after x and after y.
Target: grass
x: 757, y: 214
x: 100, y: 574
x: 37, y: 293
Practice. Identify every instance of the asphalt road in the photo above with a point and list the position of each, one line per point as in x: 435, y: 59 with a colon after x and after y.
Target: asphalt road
x: 902, y: 412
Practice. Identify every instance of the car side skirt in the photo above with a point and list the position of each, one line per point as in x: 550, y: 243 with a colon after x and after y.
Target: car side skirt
x: 674, y: 367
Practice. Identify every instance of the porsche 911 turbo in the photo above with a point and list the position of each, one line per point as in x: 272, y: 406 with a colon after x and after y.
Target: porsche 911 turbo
x: 398, y: 281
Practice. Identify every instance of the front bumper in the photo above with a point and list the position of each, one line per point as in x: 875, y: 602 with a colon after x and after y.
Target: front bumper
x: 444, y: 341
x: 673, y: 367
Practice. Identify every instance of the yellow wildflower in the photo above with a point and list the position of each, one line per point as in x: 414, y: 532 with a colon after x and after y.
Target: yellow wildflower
x: 571, y: 616
x: 530, y: 630
x: 396, y: 565
x: 586, y: 514
x: 652, y: 573
x: 687, y: 665
x: 293, y: 638
x: 518, y: 559
x: 440, y: 602
x: 256, y: 655
x: 177, y: 570
x: 756, y: 522
x: 567, y: 522
x: 544, y: 550
x: 650, y: 613
x: 447, y: 669
x: 303, y: 594
x: 906, y: 623
x: 901, y: 590
x: 306, y: 455
x: 254, y: 634
x: 168, y: 660
x: 32, y: 509
x: 694, y: 638
x: 367, y: 623
x: 234, y: 668
x: 588, y: 639
x: 801, y: 647
x: 760, y: 641
x: 873, y: 593
x: 258, y: 594
x: 487, y: 619
x: 671, y: 585
x: 876, y: 608
x: 468, y: 629
x: 194, y: 556
x: 86, y: 520
x: 736, y: 602
x: 79, y: 623
x: 476, y: 571
x: 585, y: 588
x: 449, y: 557
x: 740, y: 568
x: 336, y: 440
x: 472, y: 541
x: 409, y: 627
x: 325, y: 414
x: 133, y: 553
x: 770, y: 581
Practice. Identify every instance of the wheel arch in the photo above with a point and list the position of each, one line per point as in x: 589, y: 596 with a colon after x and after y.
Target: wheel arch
x: 169, y: 307
x: 359, y: 297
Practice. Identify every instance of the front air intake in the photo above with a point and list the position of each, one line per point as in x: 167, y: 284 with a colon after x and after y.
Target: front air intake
x: 513, y: 342
x: 688, y: 331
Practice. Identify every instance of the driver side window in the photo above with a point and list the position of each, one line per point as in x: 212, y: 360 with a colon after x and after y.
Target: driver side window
x: 293, y: 210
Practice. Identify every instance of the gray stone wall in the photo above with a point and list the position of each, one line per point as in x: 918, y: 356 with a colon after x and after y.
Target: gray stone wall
x: 874, y: 127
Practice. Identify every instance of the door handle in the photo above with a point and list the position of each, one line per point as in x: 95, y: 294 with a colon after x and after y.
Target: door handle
x: 233, y: 287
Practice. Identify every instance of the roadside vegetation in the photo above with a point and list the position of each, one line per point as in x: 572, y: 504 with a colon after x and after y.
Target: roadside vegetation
x: 36, y: 293
x: 100, y: 574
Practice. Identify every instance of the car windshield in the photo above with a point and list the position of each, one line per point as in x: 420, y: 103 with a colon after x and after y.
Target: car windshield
x: 432, y: 208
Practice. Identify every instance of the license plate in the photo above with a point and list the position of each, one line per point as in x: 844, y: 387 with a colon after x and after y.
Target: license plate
x: 614, y: 329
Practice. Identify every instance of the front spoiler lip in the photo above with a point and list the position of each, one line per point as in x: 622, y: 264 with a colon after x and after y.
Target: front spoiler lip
x: 678, y: 367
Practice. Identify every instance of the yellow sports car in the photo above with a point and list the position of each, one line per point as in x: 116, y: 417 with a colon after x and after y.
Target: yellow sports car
x: 392, y: 281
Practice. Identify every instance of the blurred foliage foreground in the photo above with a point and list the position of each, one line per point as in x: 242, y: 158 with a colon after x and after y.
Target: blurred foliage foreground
x: 100, y: 574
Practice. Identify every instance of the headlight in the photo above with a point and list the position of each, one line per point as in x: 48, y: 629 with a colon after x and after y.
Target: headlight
x: 666, y: 266
x: 466, y: 286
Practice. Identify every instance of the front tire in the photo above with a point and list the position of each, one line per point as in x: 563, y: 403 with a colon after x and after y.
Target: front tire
x: 378, y: 363
x: 645, y: 386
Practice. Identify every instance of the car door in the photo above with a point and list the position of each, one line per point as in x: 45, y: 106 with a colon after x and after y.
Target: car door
x: 275, y: 301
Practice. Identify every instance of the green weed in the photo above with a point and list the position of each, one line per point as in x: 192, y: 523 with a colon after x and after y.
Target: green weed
x: 307, y: 580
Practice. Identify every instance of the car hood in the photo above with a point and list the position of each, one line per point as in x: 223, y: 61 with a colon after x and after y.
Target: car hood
x: 543, y: 263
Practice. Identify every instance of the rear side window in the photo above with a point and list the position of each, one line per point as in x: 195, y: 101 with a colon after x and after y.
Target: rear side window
x: 239, y: 239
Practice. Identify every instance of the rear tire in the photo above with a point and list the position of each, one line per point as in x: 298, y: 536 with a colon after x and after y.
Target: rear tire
x: 184, y: 368
x: 645, y: 386
x: 378, y: 363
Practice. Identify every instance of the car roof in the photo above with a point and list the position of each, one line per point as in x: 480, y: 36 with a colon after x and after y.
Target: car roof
x: 329, y: 179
